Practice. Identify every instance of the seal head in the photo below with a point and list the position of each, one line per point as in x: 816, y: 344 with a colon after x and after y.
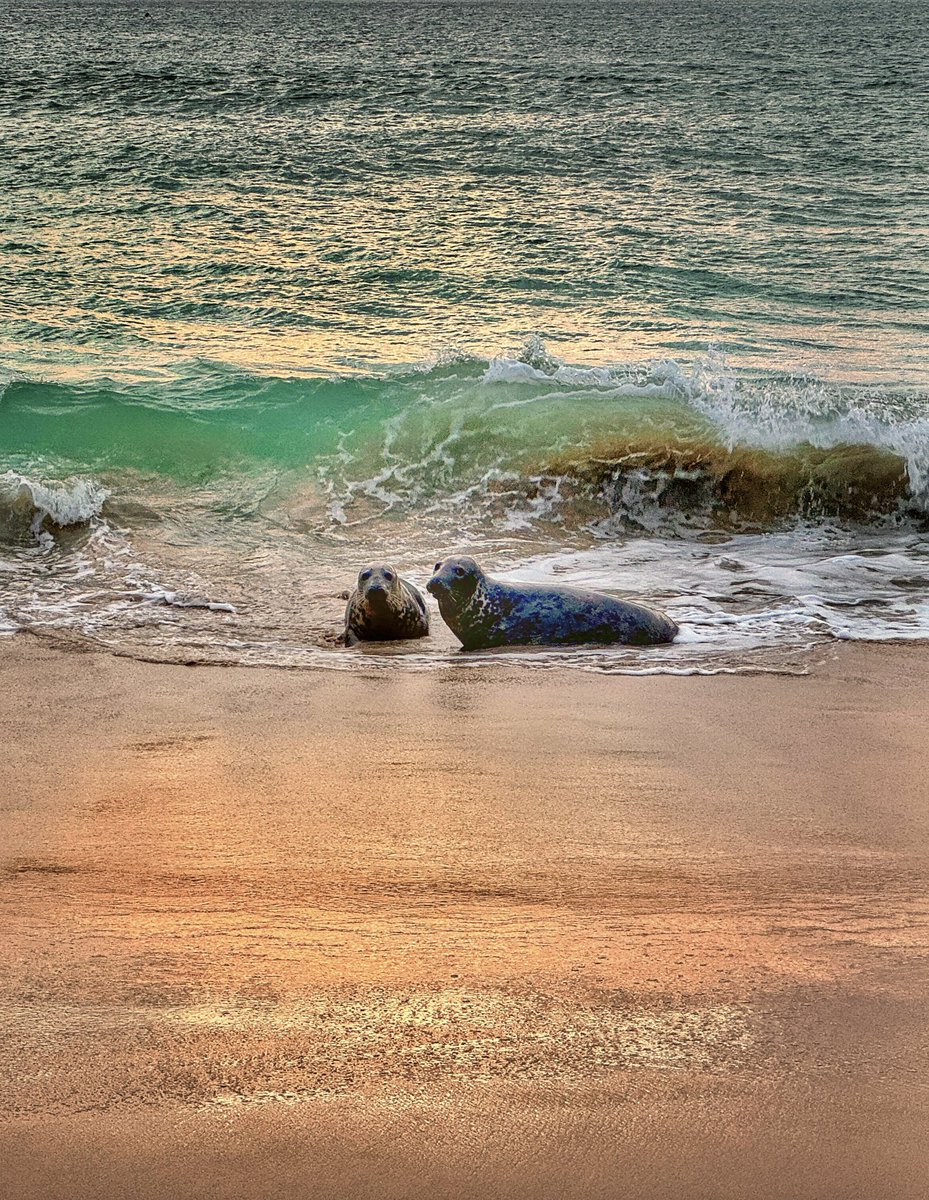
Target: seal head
x: 461, y: 588
x: 456, y: 581
x: 484, y: 612
x: 383, y: 607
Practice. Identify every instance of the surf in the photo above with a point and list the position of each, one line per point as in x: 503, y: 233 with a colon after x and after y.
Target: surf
x: 701, y: 442
x: 218, y: 515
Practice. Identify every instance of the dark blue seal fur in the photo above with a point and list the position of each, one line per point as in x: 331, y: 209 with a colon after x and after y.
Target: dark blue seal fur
x: 483, y: 612
x: 384, y: 608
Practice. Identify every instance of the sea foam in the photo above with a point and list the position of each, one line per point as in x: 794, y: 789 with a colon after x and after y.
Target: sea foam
x: 38, y: 504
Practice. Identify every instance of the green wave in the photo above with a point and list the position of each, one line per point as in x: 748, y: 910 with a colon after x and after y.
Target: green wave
x: 642, y: 439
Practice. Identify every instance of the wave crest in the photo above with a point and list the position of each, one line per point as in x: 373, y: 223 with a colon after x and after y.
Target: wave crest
x: 34, y: 505
x: 648, y: 445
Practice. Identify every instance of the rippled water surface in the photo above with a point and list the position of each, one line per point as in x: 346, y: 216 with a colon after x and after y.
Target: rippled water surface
x: 623, y: 294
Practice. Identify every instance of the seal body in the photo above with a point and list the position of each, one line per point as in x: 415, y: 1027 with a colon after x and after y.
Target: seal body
x: 484, y: 612
x: 384, y: 608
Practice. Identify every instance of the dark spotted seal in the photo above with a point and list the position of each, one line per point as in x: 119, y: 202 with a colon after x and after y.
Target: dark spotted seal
x: 485, y: 612
x: 384, y: 607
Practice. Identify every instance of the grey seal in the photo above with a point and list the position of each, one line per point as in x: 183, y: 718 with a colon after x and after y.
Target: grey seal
x: 384, y: 607
x: 484, y: 612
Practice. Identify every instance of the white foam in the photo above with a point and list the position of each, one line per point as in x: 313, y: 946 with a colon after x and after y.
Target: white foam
x: 73, y: 502
x: 789, y: 588
x: 761, y: 412
x: 156, y: 595
x: 782, y: 414
x: 609, y: 380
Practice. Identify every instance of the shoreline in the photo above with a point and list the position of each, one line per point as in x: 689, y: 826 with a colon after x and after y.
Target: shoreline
x: 512, y: 933
x: 375, y: 660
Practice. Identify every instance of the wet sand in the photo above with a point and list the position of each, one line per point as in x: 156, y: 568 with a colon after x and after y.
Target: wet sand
x: 463, y: 934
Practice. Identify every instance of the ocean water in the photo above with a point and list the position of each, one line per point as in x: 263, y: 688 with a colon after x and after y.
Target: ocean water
x: 630, y: 295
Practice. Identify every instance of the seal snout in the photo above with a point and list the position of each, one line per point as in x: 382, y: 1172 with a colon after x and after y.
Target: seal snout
x: 378, y: 587
x: 439, y: 584
x: 376, y: 583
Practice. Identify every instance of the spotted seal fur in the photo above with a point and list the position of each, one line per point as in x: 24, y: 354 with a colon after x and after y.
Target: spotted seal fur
x: 484, y: 612
x: 384, y: 608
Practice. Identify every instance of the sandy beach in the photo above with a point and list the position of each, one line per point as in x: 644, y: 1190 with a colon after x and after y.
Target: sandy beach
x: 492, y: 303
x: 463, y: 934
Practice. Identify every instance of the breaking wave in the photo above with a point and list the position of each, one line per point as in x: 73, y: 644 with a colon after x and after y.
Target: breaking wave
x: 649, y: 485
x: 220, y: 517
x: 640, y: 446
x: 36, y: 506
x: 517, y: 438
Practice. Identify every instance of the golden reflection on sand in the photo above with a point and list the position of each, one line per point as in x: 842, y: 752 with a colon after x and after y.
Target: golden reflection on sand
x: 500, y: 906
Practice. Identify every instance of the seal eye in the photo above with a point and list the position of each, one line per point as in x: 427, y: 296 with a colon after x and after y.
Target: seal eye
x: 438, y: 566
x: 389, y: 576
x: 459, y: 571
x: 365, y: 574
